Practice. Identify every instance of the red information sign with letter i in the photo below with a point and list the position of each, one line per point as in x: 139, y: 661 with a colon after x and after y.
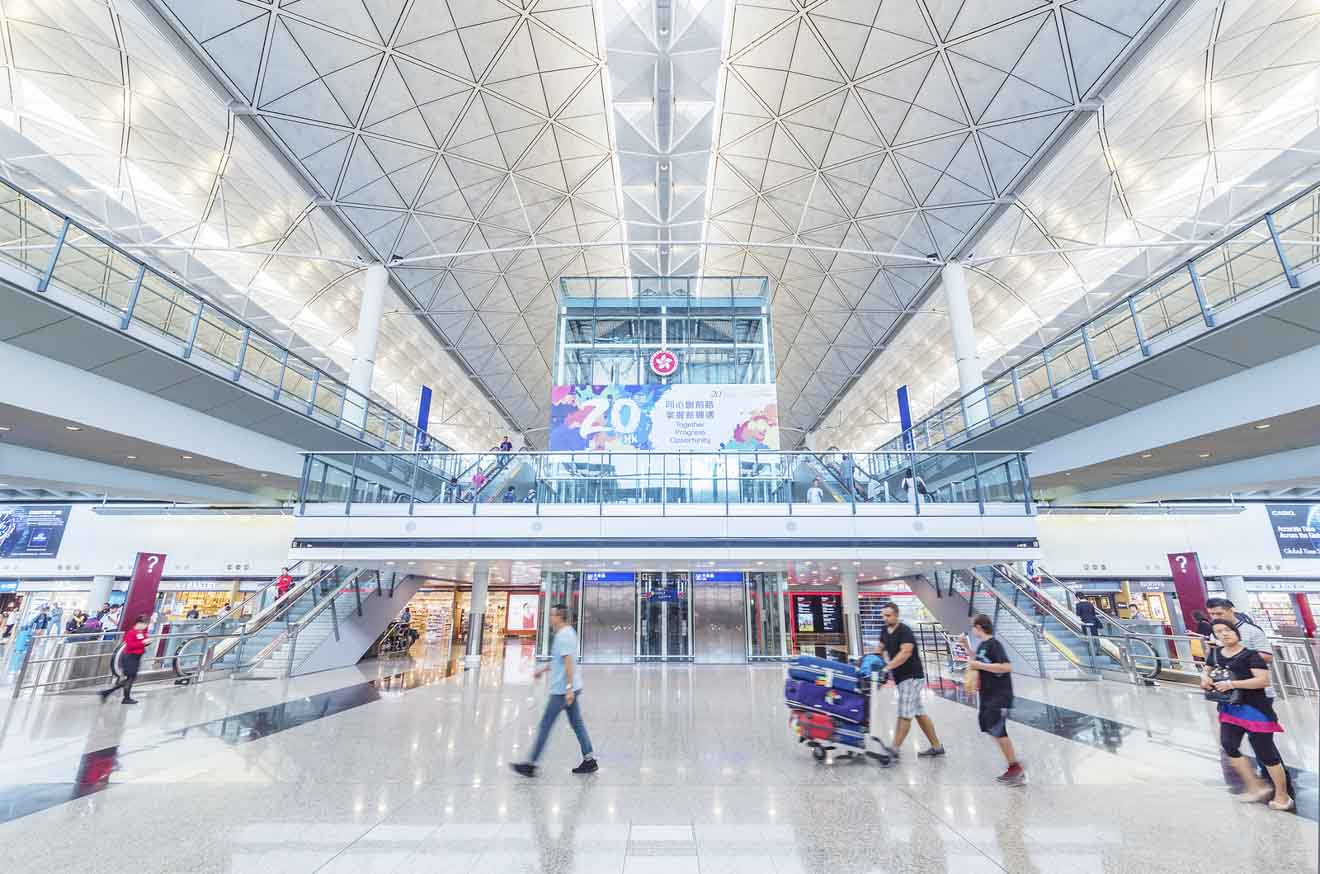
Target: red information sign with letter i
x: 141, y: 598
x: 1188, y: 583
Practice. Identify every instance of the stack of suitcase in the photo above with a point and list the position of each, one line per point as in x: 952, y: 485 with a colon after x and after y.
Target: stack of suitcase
x: 829, y: 702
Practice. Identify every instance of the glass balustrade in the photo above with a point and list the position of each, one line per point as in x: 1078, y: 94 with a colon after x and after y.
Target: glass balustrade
x: 1258, y: 263
x: 86, y: 273
x: 875, y: 483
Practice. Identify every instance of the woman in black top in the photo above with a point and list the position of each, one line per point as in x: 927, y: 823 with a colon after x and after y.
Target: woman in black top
x: 1233, y: 670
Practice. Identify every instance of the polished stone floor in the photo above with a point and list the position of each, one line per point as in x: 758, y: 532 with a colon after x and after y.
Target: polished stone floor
x: 360, y: 771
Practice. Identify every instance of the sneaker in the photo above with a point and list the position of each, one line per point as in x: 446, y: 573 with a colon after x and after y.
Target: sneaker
x: 588, y: 766
x: 129, y: 701
x: 1290, y: 804
x: 1014, y: 776
x: 527, y: 769
x: 931, y: 753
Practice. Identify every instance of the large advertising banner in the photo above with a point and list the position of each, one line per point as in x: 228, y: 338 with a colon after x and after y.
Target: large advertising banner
x: 1296, y: 529
x: 32, y: 530
x: 664, y: 418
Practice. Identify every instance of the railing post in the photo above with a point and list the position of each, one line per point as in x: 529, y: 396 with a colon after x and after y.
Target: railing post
x: 44, y: 282
x: 1293, y: 281
x: 980, y: 495
x: 412, y: 487
x: 129, y: 307
x: 192, y: 329
x: 1206, y: 313
x: 1017, y: 392
x: 357, y: 594
x: 352, y: 487
x: 916, y: 492
x: 279, y: 381
x: 302, y: 484
x: 1049, y: 373
x: 1090, y: 352
x: 242, y: 353
x: 311, y: 396
x: 293, y: 648
x: 1137, y: 327
x: 1026, y: 482
x: 1040, y: 654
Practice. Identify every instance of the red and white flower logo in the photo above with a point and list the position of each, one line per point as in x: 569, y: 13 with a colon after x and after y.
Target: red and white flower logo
x: 664, y: 363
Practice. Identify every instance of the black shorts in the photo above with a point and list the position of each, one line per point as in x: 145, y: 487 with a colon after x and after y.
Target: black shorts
x: 993, y: 718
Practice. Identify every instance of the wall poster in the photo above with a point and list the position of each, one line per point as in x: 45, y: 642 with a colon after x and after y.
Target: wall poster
x: 32, y: 530
x: 1296, y: 529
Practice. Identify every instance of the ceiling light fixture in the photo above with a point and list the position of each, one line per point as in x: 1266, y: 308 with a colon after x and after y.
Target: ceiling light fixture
x: 131, y: 457
x: 1146, y: 455
x: 1262, y: 426
x: 72, y: 427
x: 5, y: 428
x: 1204, y: 454
x: 186, y: 457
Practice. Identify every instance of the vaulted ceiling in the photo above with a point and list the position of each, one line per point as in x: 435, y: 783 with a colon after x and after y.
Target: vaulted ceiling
x: 484, y: 148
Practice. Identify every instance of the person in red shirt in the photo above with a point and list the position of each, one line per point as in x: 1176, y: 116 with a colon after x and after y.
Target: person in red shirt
x: 135, y: 646
x: 283, y: 583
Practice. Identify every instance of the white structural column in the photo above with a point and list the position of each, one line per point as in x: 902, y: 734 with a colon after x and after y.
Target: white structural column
x: 970, y: 376
x: 102, y: 586
x: 477, y: 616
x: 1236, y: 590
x: 364, y: 346
x: 852, y: 613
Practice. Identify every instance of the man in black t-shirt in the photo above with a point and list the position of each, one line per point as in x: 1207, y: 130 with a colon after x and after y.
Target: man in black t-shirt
x: 995, y: 673
x: 904, y: 664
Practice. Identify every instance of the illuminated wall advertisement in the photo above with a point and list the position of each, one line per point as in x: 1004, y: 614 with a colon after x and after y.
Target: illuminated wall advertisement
x: 1296, y: 529
x: 521, y: 615
x: 32, y: 531
x: 664, y: 418
x: 818, y: 614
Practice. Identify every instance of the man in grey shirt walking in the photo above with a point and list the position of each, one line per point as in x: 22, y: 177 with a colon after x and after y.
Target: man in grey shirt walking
x: 565, y: 689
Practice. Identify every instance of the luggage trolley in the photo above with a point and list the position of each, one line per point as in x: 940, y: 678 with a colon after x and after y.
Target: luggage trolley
x: 829, y: 707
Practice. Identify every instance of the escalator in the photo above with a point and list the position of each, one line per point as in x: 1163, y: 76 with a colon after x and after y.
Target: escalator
x: 955, y: 597
x: 1118, y: 648
x: 819, y: 466
x: 327, y: 620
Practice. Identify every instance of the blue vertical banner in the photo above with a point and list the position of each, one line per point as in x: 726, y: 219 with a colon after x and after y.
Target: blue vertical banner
x: 905, y: 416
x: 423, y: 419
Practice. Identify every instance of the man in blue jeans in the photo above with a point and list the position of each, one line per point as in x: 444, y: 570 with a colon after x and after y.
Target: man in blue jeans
x: 565, y: 686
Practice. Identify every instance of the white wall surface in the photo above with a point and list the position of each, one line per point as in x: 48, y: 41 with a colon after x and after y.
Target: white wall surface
x: 1119, y: 546
x: 200, y: 545
x: 653, y: 536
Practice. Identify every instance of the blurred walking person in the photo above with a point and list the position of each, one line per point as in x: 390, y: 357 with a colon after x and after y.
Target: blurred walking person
x: 565, y: 687
x: 135, y: 646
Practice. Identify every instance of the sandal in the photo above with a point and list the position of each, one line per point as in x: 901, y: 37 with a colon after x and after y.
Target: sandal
x: 1290, y: 805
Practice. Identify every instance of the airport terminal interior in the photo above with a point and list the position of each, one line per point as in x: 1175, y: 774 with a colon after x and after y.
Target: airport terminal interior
x: 660, y: 436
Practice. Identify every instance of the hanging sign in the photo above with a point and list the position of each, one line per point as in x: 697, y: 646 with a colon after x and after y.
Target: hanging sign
x: 664, y: 363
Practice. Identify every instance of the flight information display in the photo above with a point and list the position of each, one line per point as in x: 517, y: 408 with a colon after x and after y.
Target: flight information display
x: 818, y: 614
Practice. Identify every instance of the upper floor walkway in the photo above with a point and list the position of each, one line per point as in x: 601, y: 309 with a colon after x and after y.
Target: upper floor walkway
x: 71, y: 295
x: 1242, y: 302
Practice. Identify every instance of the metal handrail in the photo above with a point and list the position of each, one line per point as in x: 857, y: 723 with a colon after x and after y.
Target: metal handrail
x: 203, y: 312
x: 1081, y: 335
x: 1062, y: 613
x: 235, y: 612
x: 295, y: 630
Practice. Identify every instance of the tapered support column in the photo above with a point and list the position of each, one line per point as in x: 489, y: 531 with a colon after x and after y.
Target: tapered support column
x: 970, y: 376
x: 364, y: 344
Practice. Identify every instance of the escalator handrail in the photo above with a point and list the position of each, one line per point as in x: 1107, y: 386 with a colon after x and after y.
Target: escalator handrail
x: 296, y: 628
x: 1037, y: 629
x: 236, y: 611
x: 1117, y: 629
x: 1063, y: 613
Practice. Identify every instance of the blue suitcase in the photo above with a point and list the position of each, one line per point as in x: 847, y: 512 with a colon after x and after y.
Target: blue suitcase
x: 838, y: 703
x: 839, y: 675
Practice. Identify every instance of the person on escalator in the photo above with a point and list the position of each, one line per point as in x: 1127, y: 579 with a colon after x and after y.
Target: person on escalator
x: 815, y: 494
x: 530, y: 497
x: 1086, y: 613
x: 478, y: 482
x: 510, y: 495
